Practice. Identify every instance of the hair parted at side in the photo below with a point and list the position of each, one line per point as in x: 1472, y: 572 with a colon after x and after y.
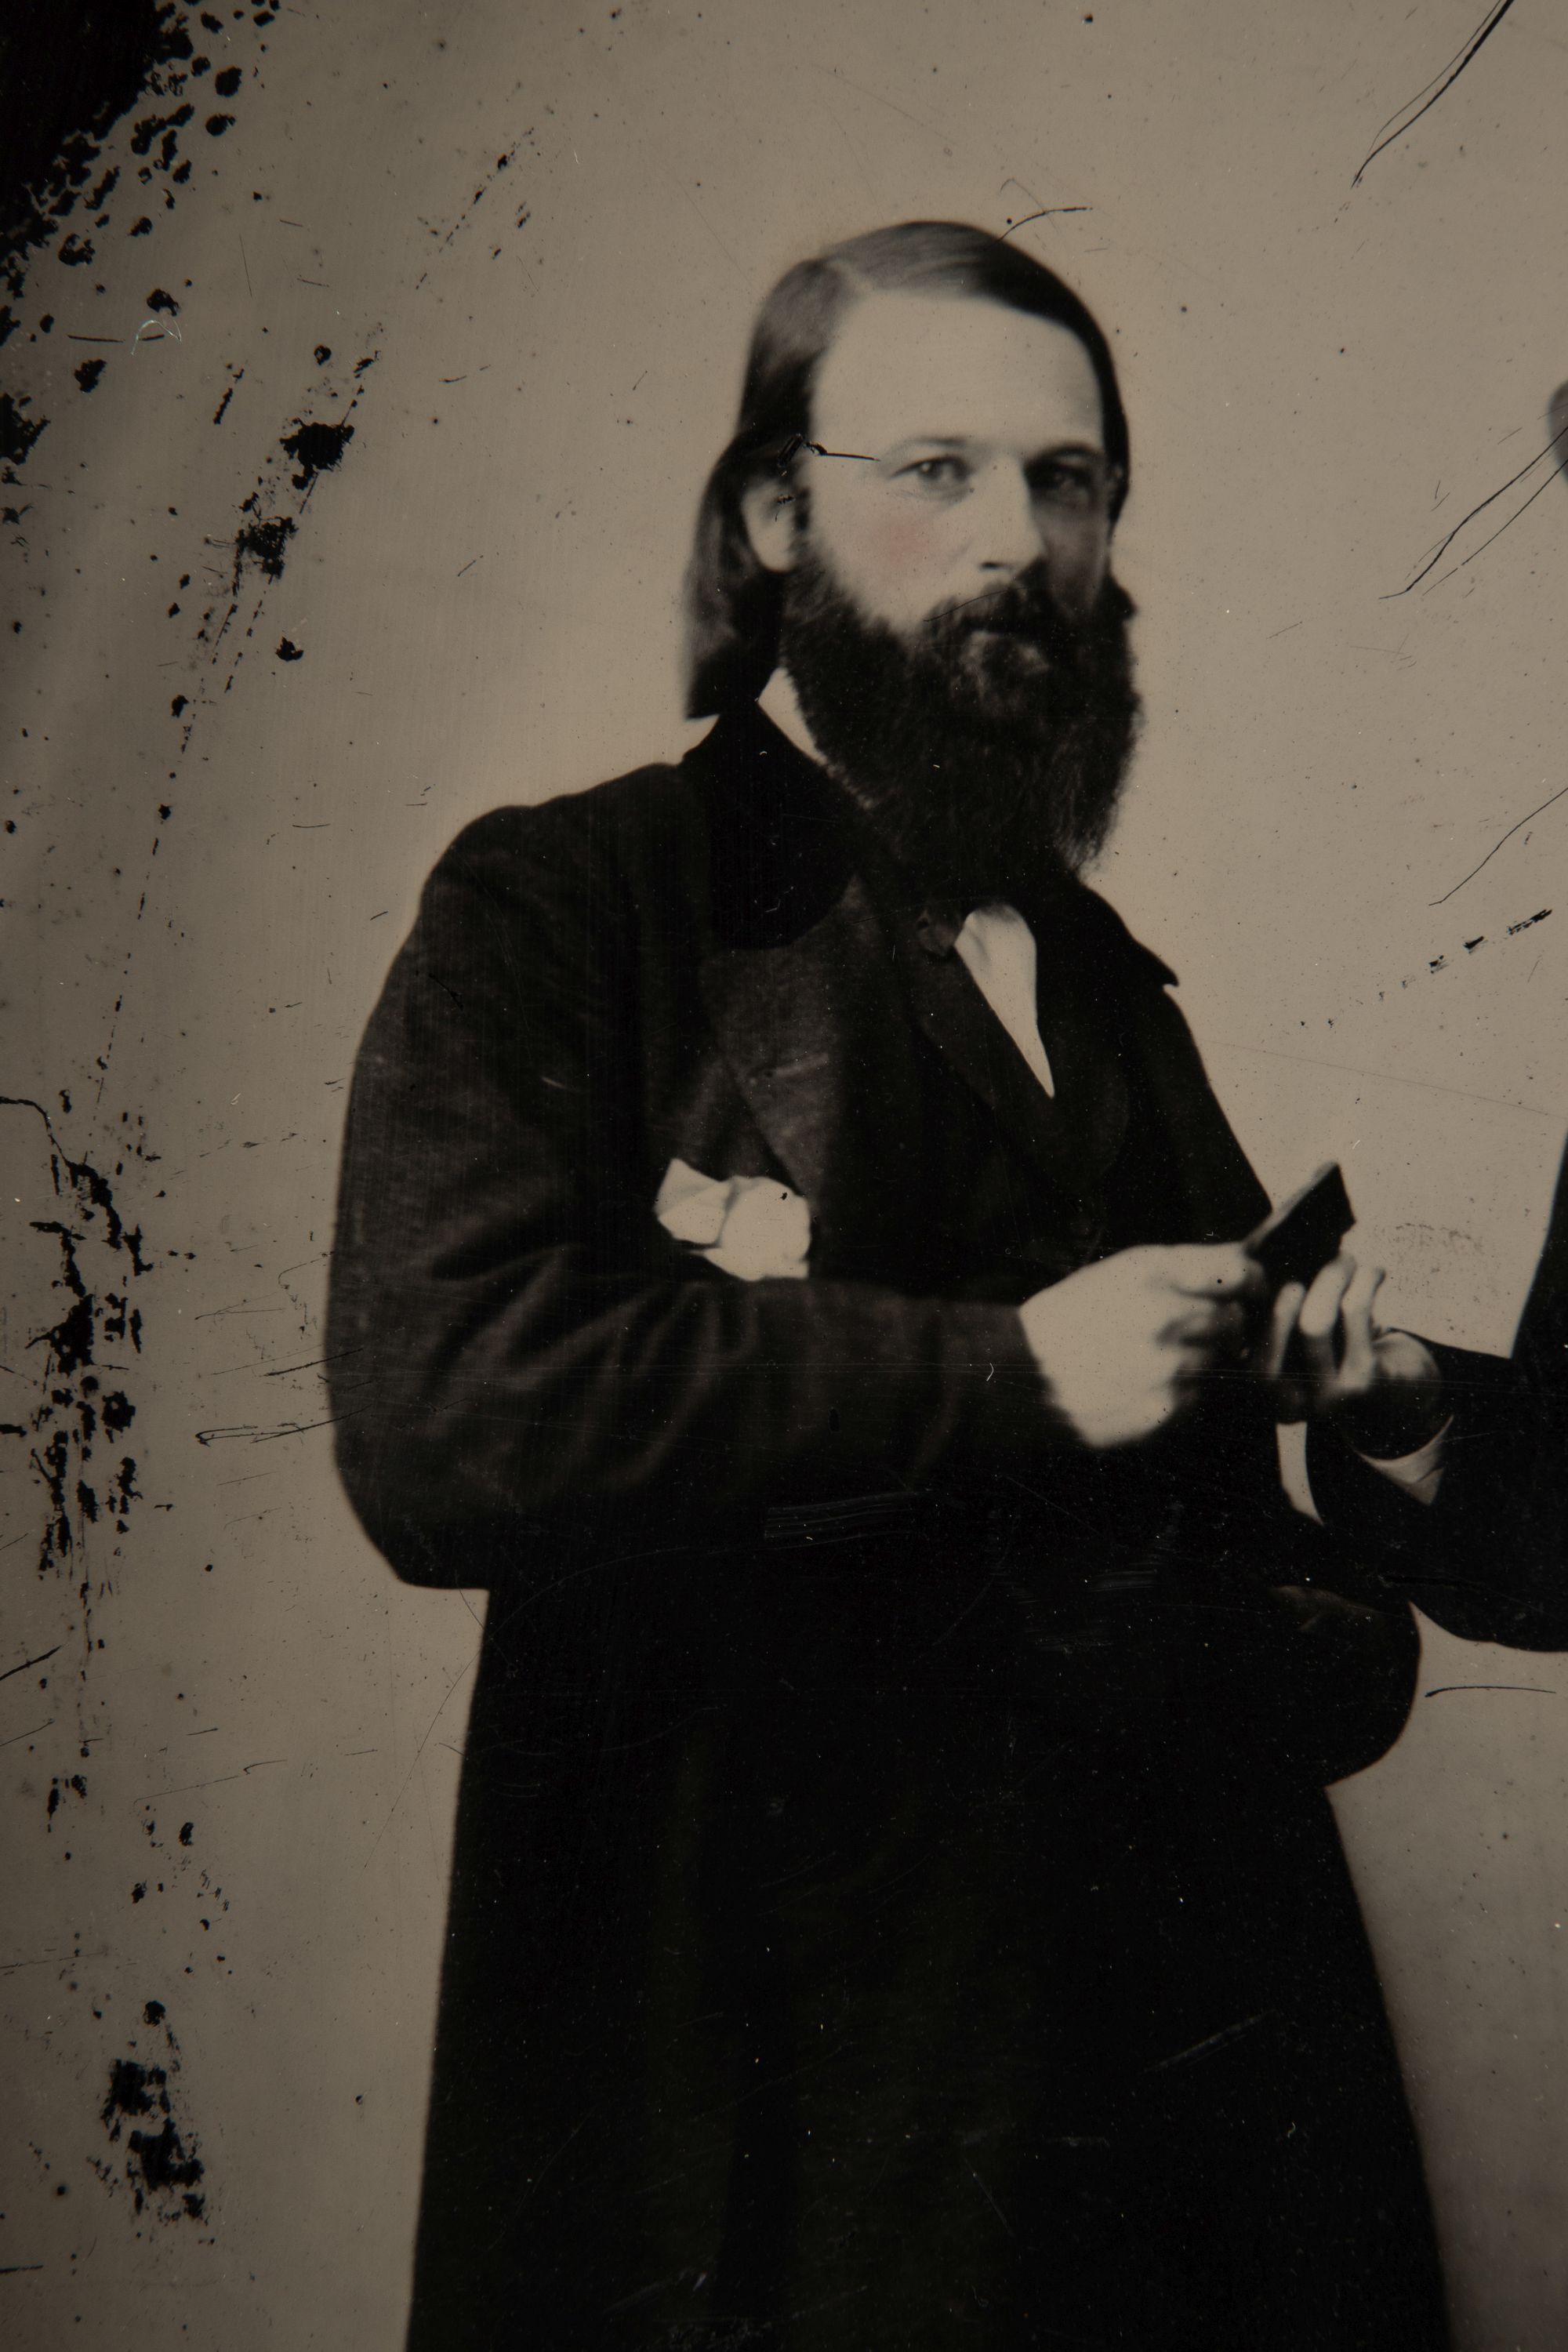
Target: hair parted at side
x: 733, y: 602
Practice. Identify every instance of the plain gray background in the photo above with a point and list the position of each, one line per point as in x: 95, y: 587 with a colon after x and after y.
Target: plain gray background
x: 1321, y: 380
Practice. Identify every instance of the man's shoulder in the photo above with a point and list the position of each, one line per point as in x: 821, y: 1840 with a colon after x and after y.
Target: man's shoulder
x: 1120, y: 946
x: 650, y: 819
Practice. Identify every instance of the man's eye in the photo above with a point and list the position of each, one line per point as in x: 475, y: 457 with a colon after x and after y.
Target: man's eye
x: 946, y: 473
x: 1074, y: 486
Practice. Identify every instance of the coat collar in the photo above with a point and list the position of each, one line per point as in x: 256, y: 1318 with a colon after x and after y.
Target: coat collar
x: 780, y: 849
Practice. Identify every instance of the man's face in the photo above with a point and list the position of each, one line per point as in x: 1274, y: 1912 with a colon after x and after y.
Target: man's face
x: 957, y: 644
x: 977, y: 449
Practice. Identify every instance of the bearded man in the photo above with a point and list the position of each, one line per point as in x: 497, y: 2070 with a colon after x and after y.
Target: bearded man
x: 790, y: 1252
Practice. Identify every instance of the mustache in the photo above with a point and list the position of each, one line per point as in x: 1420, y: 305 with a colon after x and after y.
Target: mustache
x: 1025, y: 608
x: 1019, y: 604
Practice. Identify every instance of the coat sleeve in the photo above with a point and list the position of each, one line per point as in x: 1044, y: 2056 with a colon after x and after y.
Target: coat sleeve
x: 514, y: 1342
x: 1487, y: 1558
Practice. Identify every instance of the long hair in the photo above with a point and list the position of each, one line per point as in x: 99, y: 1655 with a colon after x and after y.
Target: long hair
x: 733, y: 602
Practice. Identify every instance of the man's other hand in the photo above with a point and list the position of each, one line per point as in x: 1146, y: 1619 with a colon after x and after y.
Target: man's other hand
x: 1125, y: 1343
x: 1327, y: 1360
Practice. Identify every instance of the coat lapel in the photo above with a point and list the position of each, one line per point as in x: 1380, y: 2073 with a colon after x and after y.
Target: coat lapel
x: 813, y: 1032
x: 1071, y: 1136
x: 955, y: 1017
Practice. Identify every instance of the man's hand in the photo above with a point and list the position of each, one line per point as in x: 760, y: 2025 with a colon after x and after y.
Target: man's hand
x: 1327, y: 1360
x: 1125, y: 1343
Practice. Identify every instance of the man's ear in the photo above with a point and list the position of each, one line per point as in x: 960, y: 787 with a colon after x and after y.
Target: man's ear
x: 768, y: 511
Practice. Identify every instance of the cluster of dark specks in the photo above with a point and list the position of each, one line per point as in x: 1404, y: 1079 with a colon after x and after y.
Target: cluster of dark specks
x: 161, y: 2165
x: 79, y: 1434
x: 69, y: 210
x: 77, y: 1426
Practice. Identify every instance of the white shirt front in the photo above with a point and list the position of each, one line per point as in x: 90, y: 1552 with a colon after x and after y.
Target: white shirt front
x: 998, y: 948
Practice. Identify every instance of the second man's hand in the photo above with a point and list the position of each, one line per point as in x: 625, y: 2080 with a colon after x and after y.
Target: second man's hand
x: 1327, y: 1360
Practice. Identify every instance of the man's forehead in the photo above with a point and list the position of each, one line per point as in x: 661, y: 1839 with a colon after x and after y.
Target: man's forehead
x: 921, y: 366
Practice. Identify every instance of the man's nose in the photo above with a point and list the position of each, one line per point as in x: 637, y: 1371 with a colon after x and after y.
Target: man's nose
x: 1007, y: 529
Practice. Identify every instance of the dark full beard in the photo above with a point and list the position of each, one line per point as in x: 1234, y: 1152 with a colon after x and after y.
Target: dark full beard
x: 988, y: 749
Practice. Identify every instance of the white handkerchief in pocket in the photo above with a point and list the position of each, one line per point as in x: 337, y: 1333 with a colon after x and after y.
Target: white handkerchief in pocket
x: 750, y: 1226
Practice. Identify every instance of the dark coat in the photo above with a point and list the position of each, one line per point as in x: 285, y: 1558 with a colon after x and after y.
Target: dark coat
x: 895, y: 1902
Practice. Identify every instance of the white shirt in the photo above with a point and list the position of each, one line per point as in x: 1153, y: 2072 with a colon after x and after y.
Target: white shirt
x: 998, y: 947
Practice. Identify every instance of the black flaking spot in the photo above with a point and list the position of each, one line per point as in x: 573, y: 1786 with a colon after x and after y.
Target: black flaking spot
x: 316, y: 449
x: 18, y: 433
x: 263, y: 544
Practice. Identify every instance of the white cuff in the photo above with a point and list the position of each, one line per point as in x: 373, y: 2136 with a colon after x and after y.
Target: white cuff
x: 1420, y: 1473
